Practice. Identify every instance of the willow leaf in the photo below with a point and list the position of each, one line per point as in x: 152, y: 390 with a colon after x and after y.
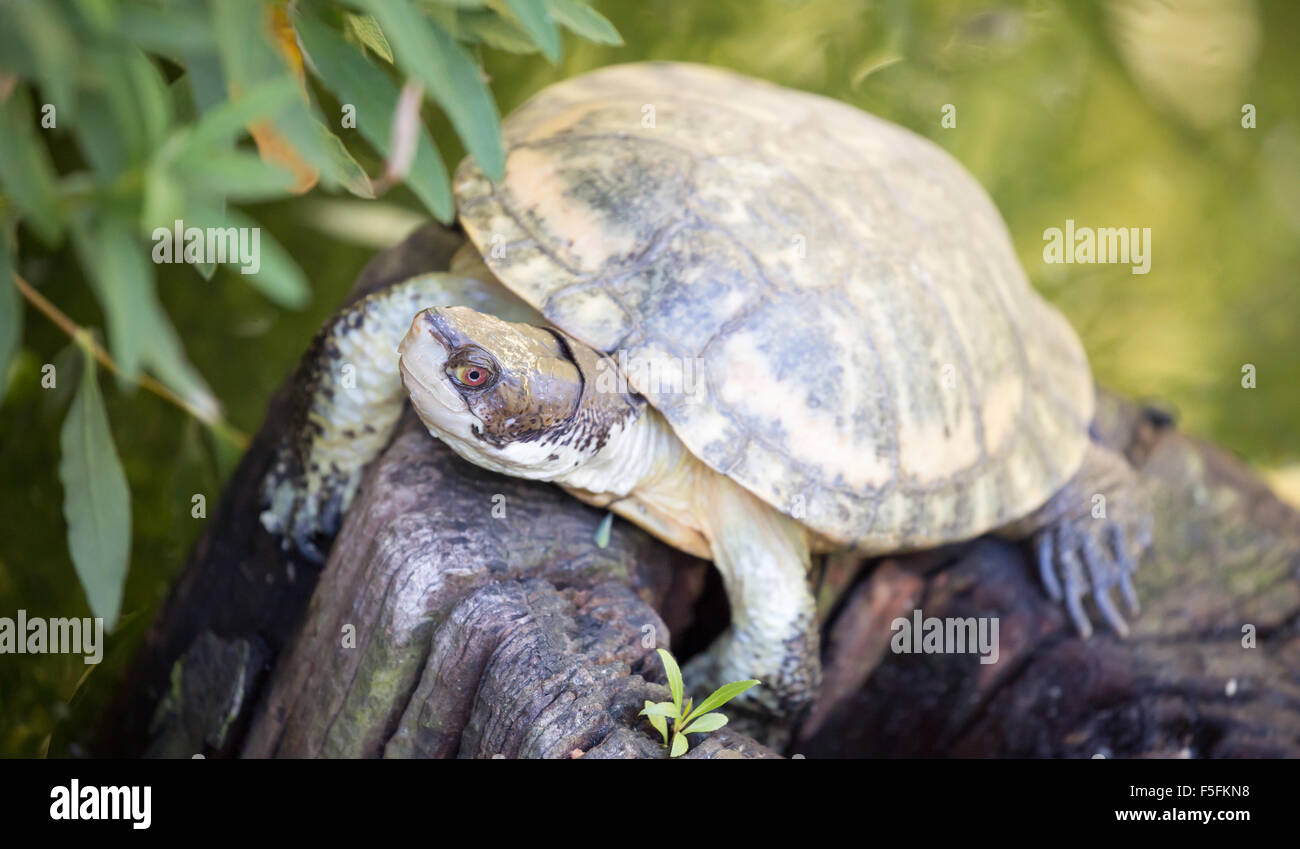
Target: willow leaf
x: 584, y: 20
x: 536, y: 20
x: 96, y: 500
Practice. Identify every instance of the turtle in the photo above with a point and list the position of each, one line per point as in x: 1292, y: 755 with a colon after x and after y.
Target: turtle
x: 759, y: 323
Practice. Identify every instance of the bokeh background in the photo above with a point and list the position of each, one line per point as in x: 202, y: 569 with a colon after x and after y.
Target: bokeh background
x: 1116, y: 114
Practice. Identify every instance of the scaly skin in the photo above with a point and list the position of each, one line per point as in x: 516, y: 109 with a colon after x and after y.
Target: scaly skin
x: 349, y: 397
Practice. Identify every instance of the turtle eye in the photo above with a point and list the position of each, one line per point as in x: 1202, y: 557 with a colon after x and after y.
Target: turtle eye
x: 471, y: 375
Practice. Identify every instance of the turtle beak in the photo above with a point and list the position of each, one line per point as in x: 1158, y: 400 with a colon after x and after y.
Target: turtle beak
x: 422, y: 356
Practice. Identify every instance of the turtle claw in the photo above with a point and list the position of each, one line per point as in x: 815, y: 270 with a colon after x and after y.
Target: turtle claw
x: 1128, y: 563
x: 1087, y: 557
x: 303, y: 540
x: 1103, y: 580
x: 1076, y: 586
x: 1045, y: 572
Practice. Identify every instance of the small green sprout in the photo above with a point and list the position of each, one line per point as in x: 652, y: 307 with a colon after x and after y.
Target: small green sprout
x: 602, y: 532
x: 685, y: 719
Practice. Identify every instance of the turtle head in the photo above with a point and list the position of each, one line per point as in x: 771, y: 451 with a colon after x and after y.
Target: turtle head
x: 504, y: 396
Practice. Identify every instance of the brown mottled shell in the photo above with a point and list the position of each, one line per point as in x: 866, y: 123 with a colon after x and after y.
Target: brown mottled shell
x: 874, y: 360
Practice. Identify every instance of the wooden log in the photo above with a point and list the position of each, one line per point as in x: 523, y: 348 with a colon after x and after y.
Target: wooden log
x: 486, y: 621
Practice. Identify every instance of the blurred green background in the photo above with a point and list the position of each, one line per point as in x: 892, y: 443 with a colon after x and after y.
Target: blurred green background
x: 1123, y: 114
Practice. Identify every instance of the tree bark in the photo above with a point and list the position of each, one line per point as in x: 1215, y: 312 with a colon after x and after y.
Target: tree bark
x: 465, y: 614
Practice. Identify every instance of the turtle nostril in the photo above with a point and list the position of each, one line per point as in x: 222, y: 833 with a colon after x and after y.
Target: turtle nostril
x: 431, y: 324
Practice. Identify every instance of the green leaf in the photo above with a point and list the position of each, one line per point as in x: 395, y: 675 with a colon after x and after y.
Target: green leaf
x: 369, y: 33
x: 165, y: 30
x: 496, y: 31
x: 584, y: 20
x: 674, y: 676
x: 101, y: 15
x: 127, y: 109
x: 183, y: 107
x: 660, y: 724
x: 124, y: 111
x: 153, y: 105
x: 11, y: 315
x: 165, y: 357
x: 450, y: 75
x: 26, y: 173
x: 102, y: 144
x: 122, y: 280
x: 53, y: 49
x: 679, y: 745
x: 221, y: 125
x: 277, y: 276
x: 206, y: 82
x: 705, y: 723
x: 139, y: 332
x: 67, y: 366
x: 667, y: 709
x: 96, y: 500
x: 721, y: 696
x: 534, y: 18
x: 16, y: 57
x: 248, y: 57
x: 206, y: 85
x: 357, y: 81
x: 236, y: 175
x: 164, y: 197
x: 603, y: 531
x: 114, y: 108
x: 355, y: 179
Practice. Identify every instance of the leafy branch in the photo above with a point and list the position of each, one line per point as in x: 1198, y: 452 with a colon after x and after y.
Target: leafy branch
x: 208, y: 415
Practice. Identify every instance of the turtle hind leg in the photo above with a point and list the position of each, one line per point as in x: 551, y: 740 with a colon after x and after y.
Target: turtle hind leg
x: 348, y: 396
x: 763, y: 557
x: 1089, y: 537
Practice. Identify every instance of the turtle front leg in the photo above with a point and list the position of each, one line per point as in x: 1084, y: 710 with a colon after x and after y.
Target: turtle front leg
x: 1089, y: 537
x: 348, y: 397
x: 764, y: 559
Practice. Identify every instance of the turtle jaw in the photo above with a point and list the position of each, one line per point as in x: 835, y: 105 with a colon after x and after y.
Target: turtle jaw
x: 422, y: 358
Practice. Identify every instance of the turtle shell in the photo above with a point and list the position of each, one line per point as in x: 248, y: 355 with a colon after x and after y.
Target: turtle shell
x: 857, y: 342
